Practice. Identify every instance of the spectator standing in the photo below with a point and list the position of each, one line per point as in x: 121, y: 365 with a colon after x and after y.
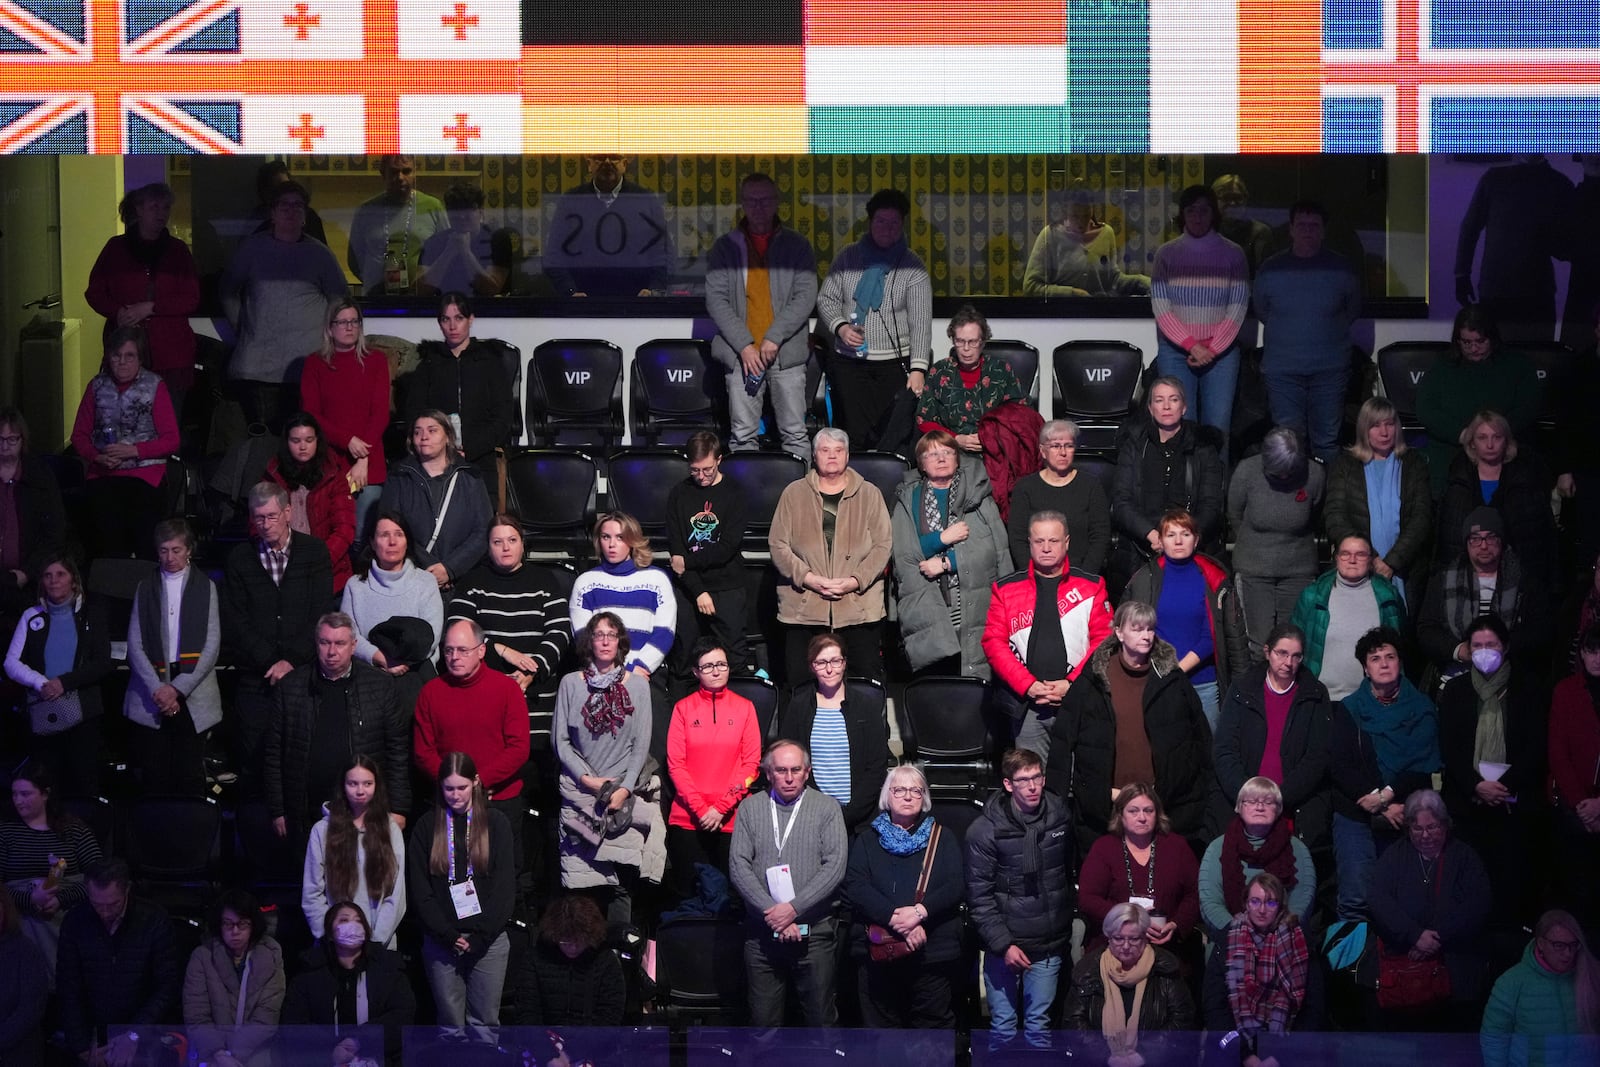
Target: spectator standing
x: 442, y: 498
x: 396, y: 609
x: 705, y: 533
x: 1121, y: 867
x: 233, y: 986
x: 1273, y: 504
x: 966, y: 386
x: 466, y: 255
x: 33, y: 517
x: 357, y: 853
x: 588, y: 259
x: 350, y: 982
x: 1072, y: 491
x: 624, y: 583
x: 1378, y: 489
x: 346, y: 389
x: 464, y: 378
x: 570, y: 977
x: 318, y: 485
x: 43, y: 856
x: 388, y: 232
x: 1487, y: 578
x: 1544, y: 1009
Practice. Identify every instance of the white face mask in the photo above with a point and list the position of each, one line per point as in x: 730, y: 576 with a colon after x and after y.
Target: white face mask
x: 349, y: 934
x: 1487, y: 660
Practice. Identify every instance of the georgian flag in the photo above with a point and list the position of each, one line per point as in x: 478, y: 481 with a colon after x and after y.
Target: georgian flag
x: 461, y: 29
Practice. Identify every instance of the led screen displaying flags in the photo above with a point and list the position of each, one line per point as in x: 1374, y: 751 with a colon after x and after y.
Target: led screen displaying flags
x: 797, y: 76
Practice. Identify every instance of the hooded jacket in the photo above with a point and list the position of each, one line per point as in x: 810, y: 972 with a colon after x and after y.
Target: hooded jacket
x: 1532, y: 1018
x: 1021, y: 874
x: 862, y: 538
x: 463, y: 540
x: 211, y: 1000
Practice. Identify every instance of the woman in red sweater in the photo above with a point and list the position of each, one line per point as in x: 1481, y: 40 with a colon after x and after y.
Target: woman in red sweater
x: 146, y: 277
x: 346, y: 386
x: 1142, y: 861
x: 319, y: 491
x: 1575, y: 779
x: 713, y: 752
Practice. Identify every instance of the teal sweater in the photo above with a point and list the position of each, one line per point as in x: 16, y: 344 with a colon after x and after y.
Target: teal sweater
x: 1532, y: 1019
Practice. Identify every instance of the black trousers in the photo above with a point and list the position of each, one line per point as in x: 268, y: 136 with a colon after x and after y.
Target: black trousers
x: 685, y: 848
x: 125, y: 510
x: 863, y: 391
x: 74, y: 756
x: 170, y: 760
x: 908, y: 993
x: 728, y: 626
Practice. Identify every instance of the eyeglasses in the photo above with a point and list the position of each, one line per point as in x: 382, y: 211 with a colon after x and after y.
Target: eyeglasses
x: 1267, y: 905
x: 1561, y: 946
x: 239, y: 924
x: 347, y: 324
x: 1027, y: 779
x: 906, y: 792
x: 1258, y: 802
x: 1284, y: 653
x: 604, y: 635
x: 1126, y: 939
x: 829, y: 663
x: 962, y: 342
x: 712, y: 668
x: 11, y: 439
x: 1061, y: 446
x: 459, y: 650
x: 1427, y: 831
x: 1479, y: 539
x: 1355, y: 555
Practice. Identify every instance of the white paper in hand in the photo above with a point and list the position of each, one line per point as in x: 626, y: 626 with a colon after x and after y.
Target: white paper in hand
x: 1492, y: 772
x: 780, y: 883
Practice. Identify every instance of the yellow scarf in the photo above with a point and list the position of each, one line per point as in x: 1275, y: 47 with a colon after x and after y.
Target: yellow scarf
x: 1122, y: 1031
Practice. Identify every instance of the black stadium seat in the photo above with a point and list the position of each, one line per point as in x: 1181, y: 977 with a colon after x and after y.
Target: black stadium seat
x: 555, y: 492
x: 575, y: 393
x: 761, y: 477
x: 676, y: 388
x: 764, y: 695
x: 1095, y: 382
x: 1023, y: 359
x: 944, y: 728
x: 1555, y: 364
x: 1401, y: 368
x: 638, y: 481
x: 885, y: 470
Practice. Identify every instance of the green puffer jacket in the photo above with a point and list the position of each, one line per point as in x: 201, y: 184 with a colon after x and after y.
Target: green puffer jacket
x: 1311, y: 613
x: 1532, y: 1019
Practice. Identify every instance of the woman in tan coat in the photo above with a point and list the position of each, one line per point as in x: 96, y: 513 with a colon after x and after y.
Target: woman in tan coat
x: 238, y: 952
x: 830, y: 542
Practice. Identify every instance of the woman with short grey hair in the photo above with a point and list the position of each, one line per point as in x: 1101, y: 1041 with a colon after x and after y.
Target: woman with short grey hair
x: 905, y: 882
x: 1129, y: 987
x: 1274, y: 504
x: 1061, y: 486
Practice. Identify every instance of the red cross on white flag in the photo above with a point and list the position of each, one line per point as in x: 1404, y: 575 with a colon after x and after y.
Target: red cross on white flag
x: 460, y: 29
x: 302, y: 29
x: 304, y: 123
x: 435, y: 125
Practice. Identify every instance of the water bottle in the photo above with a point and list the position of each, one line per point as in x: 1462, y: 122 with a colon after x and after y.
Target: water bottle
x: 861, y: 349
x: 752, y: 381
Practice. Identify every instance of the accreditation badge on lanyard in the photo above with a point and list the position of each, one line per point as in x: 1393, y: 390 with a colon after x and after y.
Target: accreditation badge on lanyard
x: 464, y: 895
x: 780, y: 881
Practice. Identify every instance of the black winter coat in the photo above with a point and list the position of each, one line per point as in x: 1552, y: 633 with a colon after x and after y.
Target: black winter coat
x: 309, y: 1000
x: 1523, y: 500
x: 262, y: 622
x: 132, y: 976
x: 22, y: 1000
x: 866, y: 724
x: 1022, y: 876
x: 41, y: 525
x: 1167, y: 1003
x: 876, y: 882
x: 1527, y: 711
x: 472, y: 385
x: 1347, y: 513
x: 1401, y: 907
x: 552, y: 990
x: 1083, y: 745
x: 380, y: 727
x: 1242, y: 737
x: 1136, y: 504
x: 463, y: 536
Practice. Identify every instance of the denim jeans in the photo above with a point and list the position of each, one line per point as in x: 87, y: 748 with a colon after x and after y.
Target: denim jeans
x: 467, y: 995
x: 1035, y: 988
x: 787, y: 388
x: 1210, y: 389
x: 1311, y: 404
x: 1207, y: 692
x: 1354, y: 853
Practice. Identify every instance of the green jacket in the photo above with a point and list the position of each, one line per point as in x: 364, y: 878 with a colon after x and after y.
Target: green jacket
x: 1454, y: 390
x: 1532, y: 1019
x: 1311, y: 613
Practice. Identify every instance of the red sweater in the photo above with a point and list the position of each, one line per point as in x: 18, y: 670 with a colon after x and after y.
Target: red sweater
x: 350, y: 400
x: 1574, y: 740
x: 1103, y: 882
x: 333, y: 513
x: 165, y: 442
x: 486, y: 717
x: 117, y: 279
x: 713, y: 753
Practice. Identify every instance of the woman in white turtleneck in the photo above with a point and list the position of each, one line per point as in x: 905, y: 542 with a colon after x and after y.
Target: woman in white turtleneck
x: 389, y: 585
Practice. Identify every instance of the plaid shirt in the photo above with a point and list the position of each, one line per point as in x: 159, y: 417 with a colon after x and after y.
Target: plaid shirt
x: 1266, y: 975
x: 276, y: 561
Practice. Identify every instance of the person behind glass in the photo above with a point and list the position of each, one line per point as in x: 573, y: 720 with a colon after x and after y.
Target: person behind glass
x: 1340, y: 606
x: 1129, y: 987
x: 146, y: 277
x: 877, y: 305
x: 790, y: 883
x: 831, y: 541
x: 1492, y: 471
x: 1197, y: 610
x: 60, y: 654
x: 1378, y: 489
x: 1021, y: 863
x: 468, y: 255
x: 1059, y: 486
x: 118, y: 972
x: 881, y: 885
x: 1273, y: 503
x: 396, y: 608
x: 625, y: 584
x: 327, y: 715
x: 1492, y: 733
x: 463, y: 888
x: 1574, y: 752
x: 1383, y: 746
x: 616, y: 242
x: 24, y: 991
x: 44, y: 853
x: 761, y: 288
x: 270, y: 175
x: 1429, y: 899
x: 713, y: 756
x: 569, y: 977
x: 1164, y: 461
x: 1477, y: 374
x: 1264, y: 964
x: 846, y: 732
x: 950, y: 548
x: 388, y: 231
x: 1546, y: 1009
x: 967, y: 385
x: 1307, y: 298
x: 1078, y: 255
x: 1133, y: 716
x: 464, y: 378
x: 233, y: 986
x: 124, y: 431
x: 1257, y: 839
x: 1121, y: 867
x: 345, y: 387
x: 705, y: 530
x: 174, y: 640
x: 1250, y: 234
x: 33, y: 517
x: 351, y: 981
x: 1043, y: 624
x: 442, y: 498
x: 357, y: 853
x: 1199, y: 293
x: 275, y: 293
x: 318, y: 484
x: 601, y: 730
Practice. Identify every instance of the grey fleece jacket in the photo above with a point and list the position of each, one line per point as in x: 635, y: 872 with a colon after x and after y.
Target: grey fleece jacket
x: 791, y: 280
x: 816, y: 851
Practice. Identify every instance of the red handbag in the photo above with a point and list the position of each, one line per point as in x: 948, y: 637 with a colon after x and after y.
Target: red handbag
x: 1407, y: 984
x: 883, y: 944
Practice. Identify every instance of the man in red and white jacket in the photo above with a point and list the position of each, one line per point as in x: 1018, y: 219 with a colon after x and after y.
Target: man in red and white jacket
x: 1034, y: 665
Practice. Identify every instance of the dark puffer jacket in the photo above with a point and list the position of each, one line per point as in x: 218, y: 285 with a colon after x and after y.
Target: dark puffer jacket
x: 1083, y: 745
x: 132, y: 976
x: 1021, y: 875
x: 1137, y: 504
x: 379, y: 727
x: 1167, y: 1004
x: 1242, y: 738
x: 552, y: 990
x: 1347, y: 512
x: 462, y: 541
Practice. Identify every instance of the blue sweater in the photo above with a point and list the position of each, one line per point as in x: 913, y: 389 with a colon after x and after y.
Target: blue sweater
x: 1183, y: 619
x: 1306, y: 304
